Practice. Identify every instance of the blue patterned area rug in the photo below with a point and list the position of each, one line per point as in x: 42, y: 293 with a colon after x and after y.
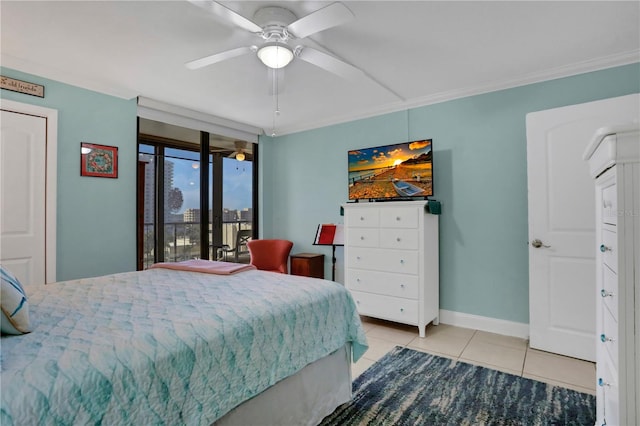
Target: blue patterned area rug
x: 407, y: 387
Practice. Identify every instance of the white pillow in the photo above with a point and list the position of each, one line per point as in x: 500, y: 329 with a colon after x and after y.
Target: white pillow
x: 15, y: 309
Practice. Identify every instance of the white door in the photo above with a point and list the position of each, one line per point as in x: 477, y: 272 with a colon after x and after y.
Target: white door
x: 24, y: 194
x: 562, y: 223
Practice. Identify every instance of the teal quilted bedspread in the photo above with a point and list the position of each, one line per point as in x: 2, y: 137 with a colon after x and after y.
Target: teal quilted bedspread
x: 163, y: 347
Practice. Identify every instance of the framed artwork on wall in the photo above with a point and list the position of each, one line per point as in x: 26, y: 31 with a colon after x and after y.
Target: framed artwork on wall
x: 98, y: 160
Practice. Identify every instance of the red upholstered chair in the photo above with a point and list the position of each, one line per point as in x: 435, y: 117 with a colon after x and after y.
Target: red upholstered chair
x: 270, y: 255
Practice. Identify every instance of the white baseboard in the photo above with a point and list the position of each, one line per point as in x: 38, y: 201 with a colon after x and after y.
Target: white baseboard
x: 491, y: 325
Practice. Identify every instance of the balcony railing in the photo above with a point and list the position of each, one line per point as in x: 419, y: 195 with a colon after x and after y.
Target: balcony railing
x: 182, y: 240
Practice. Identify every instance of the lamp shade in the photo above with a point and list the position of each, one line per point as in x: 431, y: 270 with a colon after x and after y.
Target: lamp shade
x: 275, y: 55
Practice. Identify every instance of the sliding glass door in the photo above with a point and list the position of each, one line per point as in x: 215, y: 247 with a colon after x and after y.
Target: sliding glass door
x: 195, y: 195
x: 237, y: 213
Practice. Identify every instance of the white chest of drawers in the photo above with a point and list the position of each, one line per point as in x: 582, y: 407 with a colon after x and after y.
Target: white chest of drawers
x: 614, y: 155
x: 391, y: 261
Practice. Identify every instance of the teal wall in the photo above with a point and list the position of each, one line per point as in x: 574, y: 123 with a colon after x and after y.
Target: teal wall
x: 96, y: 216
x: 480, y: 176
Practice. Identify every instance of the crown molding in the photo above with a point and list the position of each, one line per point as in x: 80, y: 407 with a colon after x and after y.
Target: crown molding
x: 577, y: 68
x: 596, y: 64
x: 52, y: 73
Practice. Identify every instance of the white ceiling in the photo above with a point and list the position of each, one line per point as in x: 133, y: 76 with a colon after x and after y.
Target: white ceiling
x: 415, y: 53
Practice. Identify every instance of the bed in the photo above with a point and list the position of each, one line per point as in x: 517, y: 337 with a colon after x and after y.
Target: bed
x: 174, y: 347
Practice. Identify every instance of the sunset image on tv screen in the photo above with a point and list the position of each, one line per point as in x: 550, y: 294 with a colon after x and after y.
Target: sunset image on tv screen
x: 402, y: 170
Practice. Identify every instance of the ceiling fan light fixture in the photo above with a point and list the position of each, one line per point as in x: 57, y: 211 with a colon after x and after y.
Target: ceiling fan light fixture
x: 275, y: 55
x: 240, y: 156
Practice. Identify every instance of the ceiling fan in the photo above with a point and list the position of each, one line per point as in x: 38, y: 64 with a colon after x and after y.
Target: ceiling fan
x: 278, y: 27
x: 239, y: 153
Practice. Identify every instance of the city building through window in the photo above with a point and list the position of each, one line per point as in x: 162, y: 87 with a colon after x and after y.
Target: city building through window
x: 194, y: 194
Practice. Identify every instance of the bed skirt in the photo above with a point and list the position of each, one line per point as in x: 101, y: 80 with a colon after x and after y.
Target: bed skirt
x: 302, y: 399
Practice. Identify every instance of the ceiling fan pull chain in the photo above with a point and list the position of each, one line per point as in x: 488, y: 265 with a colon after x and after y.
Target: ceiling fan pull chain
x: 277, y: 106
x: 277, y: 95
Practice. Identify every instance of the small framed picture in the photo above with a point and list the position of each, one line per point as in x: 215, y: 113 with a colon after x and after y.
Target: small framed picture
x: 98, y: 160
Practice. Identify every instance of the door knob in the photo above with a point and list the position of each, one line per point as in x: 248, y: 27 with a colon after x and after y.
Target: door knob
x: 537, y: 244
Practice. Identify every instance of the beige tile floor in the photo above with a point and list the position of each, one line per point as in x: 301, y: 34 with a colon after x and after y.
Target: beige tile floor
x: 509, y: 354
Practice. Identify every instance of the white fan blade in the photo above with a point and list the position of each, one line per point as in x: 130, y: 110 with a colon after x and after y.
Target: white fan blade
x: 228, y: 14
x: 331, y: 64
x: 327, y: 17
x: 218, y: 57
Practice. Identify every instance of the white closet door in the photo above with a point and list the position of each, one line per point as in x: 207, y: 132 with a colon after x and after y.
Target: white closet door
x: 28, y: 191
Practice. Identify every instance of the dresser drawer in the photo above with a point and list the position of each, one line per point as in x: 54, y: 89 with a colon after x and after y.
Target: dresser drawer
x: 385, y: 260
x: 362, y: 218
x: 387, y: 307
x: 407, y: 239
x: 397, y: 285
x: 607, y: 380
x: 609, y: 291
x: 399, y: 217
x: 609, y: 336
x: 609, y: 249
x: 365, y: 258
x: 401, y: 261
x: 609, y: 205
x: 363, y: 237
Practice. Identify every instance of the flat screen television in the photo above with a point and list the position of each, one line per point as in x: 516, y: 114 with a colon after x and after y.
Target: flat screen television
x: 400, y: 171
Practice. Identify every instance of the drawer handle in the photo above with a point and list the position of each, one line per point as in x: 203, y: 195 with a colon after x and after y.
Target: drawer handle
x: 398, y: 239
x: 401, y: 309
x: 358, y: 279
x: 605, y: 339
x: 397, y: 217
x: 361, y: 218
x: 605, y: 293
x: 361, y: 238
x: 601, y: 382
x: 357, y: 257
x: 402, y: 261
x: 604, y: 248
x: 401, y: 285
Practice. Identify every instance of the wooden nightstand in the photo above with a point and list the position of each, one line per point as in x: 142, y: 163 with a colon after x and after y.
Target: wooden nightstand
x: 308, y: 265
